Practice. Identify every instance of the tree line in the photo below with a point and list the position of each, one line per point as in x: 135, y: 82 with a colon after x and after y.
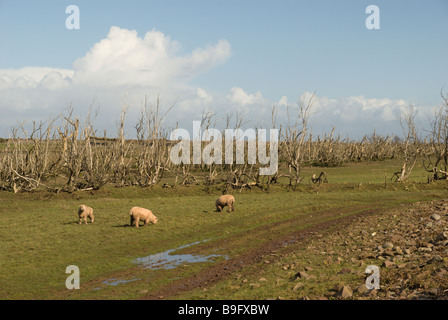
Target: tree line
x: 66, y: 154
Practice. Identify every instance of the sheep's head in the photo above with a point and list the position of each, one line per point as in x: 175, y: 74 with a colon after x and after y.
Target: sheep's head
x: 82, y: 207
x: 154, y: 221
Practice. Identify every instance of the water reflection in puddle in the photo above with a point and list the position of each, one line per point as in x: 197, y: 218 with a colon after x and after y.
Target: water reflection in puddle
x: 115, y: 282
x: 166, y: 260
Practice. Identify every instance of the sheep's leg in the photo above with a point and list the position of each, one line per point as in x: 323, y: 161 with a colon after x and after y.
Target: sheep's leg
x: 219, y: 208
x: 80, y: 220
x: 137, y: 221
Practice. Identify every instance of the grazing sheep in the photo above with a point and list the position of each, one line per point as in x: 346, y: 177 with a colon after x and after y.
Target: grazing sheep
x: 143, y: 214
x: 84, y: 212
x: 225, y: 200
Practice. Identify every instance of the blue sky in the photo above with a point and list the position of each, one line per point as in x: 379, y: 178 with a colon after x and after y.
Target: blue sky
x: 256, y: 54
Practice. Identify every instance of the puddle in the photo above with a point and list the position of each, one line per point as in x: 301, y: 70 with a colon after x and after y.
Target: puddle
x: 116, y: 282
x: 166, y: 260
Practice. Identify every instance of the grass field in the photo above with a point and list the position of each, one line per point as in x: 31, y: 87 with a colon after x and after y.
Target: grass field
x: 40, y: 235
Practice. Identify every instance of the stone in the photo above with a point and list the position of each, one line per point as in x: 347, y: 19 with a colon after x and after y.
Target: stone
x: 388, y: 264
x: 435, y: 217
x: 436, y: 258
x: 388, y: 253
x: 297, y: 286
x: 345, y: 271
x: 440, y: 272
x: 433, y: 291
x: 398, y: 250
x: 373, y: 293
x: 345, y: 292
x: 442, y: 236
x: 337, y: 287
x: 301, y: 275
x: 308, y: 269
x: 362, y: 289
x: 388, y: 245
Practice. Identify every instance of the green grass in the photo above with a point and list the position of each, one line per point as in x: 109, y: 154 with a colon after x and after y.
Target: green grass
x: 40, y: 236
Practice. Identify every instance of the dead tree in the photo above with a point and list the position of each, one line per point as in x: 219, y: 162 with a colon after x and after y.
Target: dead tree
x: 410, y: 144
x: 210, y: 153
x: 241, y: 168
x: 151, y: 154
x: 27, y: 159
x: 439, y: 142
x: 293, y: 139
x: 97, y: 159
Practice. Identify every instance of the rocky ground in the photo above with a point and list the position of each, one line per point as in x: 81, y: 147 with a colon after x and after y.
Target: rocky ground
x: 328, y: 260
x: 408, y: 244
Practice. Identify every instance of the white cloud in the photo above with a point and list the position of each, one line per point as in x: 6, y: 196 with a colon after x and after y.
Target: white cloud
x: 195, y: 102
x: 242, y: 98
x: 204, y: 95
x: 124, y: 67
x: 124, y: 58
x: 283, y: 102
x: 31, y: 77
x: 358, y: 115
x: 354, y: 108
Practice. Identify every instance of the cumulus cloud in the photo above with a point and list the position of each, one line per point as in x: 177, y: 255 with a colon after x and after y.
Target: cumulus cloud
x: 242, y: 98
x: 124, y: 58
x: 32, y: 77
x: 283, y: 101
x: 124, y: 67
x: 353, y: 108
x: 358, y: 115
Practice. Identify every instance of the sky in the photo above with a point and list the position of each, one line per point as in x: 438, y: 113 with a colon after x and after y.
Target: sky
x: 225, y: 57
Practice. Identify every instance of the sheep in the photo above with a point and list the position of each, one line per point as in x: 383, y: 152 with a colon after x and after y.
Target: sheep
x: 138, y: 214
x: 225, y: 200
x: 84, y: 212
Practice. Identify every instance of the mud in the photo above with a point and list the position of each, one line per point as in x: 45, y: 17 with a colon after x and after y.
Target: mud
x: 276, y: 240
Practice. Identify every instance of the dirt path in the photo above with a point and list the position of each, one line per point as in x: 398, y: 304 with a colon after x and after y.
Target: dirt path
x: 276, y: 239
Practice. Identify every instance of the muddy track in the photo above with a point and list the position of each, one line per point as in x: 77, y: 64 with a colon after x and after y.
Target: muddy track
x: 275, y: 241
